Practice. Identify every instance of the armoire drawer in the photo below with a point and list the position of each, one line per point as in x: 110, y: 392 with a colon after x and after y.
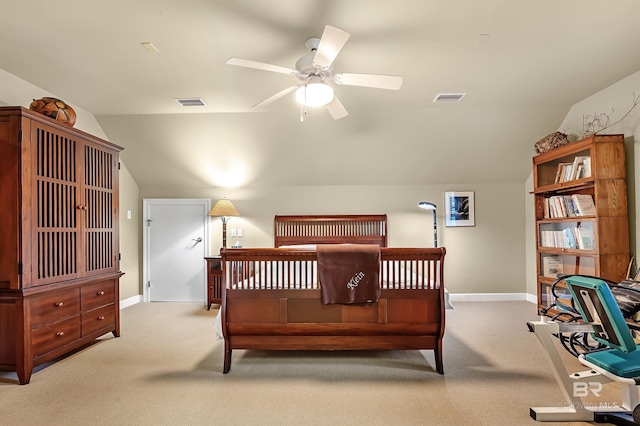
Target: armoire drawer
x: 46, y: 338
x: 98, y: 319
x: 55, y: 306
x: 98, y: 294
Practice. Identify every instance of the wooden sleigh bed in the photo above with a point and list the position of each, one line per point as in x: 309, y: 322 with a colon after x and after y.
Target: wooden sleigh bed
x: 271, y: 299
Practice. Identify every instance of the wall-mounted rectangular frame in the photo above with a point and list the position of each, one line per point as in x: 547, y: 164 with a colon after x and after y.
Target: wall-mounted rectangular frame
x: 460, y: 209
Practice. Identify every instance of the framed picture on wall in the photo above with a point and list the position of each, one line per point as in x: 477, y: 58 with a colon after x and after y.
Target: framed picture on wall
x: 459, y: 209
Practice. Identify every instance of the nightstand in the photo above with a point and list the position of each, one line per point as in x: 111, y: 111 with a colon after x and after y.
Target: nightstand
x: 214, y: 280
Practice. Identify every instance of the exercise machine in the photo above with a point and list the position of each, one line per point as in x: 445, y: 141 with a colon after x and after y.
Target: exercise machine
x: 617, y: 361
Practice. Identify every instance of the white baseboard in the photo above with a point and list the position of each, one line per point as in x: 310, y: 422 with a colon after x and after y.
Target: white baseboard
x: 532, y: 298
x: 491, y: 297
x: 130, y: 301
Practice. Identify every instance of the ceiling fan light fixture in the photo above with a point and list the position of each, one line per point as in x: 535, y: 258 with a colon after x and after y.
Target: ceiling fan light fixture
x: 314, y: 94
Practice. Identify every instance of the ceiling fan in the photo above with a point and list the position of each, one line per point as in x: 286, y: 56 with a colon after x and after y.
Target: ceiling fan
x: 315, y: 71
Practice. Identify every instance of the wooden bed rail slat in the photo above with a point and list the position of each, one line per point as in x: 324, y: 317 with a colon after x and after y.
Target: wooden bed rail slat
x: 267, y: 268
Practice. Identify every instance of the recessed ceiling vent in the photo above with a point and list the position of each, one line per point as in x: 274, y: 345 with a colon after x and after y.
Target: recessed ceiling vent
x: 187, y: 102
x: 449, y: 97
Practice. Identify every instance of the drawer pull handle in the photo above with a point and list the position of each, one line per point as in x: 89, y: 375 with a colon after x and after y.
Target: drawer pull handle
x: 100, y: 318
x: 59, y: 304
x: 60, y: 333
x: 100, y: 293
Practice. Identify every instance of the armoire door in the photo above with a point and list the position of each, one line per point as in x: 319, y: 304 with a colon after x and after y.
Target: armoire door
x: 100, y: 204
x: 55, y: 205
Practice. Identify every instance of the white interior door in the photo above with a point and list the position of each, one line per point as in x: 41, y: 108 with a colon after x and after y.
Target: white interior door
x: 176, y: 243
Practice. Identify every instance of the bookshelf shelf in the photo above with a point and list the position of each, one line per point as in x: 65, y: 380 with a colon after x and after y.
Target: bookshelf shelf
x: 568, y: 240
x: 566, y: 186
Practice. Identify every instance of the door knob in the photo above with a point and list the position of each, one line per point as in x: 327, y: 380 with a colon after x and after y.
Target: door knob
x: 199, y: 240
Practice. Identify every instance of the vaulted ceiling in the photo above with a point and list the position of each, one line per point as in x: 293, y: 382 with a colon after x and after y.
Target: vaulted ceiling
x: 522, y: 65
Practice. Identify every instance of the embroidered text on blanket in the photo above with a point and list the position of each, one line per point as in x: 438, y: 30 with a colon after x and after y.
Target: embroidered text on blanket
x: 353, y: 282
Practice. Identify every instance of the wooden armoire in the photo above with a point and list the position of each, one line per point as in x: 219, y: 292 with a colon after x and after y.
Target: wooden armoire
x: 59, y: 248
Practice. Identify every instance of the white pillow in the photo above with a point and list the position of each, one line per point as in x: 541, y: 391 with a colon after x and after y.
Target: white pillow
x: 300, y: 247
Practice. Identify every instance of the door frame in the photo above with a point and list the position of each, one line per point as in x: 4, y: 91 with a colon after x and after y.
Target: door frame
x: 147, y: 203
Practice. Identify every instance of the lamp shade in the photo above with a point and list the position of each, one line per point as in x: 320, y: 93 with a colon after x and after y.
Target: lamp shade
x: 426, y: 205
x: 314, y: 94
x: 224, y: 208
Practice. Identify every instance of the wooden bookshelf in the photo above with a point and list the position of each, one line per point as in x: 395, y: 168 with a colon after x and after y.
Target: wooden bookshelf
x: 568, y: 240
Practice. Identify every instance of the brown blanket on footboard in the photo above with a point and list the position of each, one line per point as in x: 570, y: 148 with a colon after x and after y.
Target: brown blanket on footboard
x: 349, y: 273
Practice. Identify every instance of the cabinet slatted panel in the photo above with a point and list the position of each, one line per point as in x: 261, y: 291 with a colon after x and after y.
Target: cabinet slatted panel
x: 98, y: 195
x: 56, y: 188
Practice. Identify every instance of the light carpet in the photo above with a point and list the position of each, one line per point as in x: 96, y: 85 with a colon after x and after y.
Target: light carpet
x: 165, y: 369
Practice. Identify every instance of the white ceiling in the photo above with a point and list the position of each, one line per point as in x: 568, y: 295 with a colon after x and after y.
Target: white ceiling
x: 539, y: 59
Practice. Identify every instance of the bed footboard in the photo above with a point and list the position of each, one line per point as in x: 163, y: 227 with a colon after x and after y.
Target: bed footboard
x: 271, y: 301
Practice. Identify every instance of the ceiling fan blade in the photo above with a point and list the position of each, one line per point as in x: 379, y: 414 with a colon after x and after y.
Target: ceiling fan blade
x: 259, y: 66
x: 277, y: 96
x: 391, y: 82
x: 332, y: 41
x: 336, y: 109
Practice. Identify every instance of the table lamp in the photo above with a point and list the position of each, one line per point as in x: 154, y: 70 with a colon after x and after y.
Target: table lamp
x: 224, y: 209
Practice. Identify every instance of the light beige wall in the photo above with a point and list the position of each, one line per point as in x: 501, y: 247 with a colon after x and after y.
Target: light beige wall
x: 17, y: 92
x: 487, y: 258
x: 130, y: 219
x: 619, y: 97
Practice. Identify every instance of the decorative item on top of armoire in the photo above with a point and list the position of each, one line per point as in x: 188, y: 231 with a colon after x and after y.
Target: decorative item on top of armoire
x: 56, y: 109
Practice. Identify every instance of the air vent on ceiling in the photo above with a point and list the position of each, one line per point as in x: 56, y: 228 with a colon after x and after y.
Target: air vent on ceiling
x: 449, y: 97
x: 191, y: 101
x: 149, y: 47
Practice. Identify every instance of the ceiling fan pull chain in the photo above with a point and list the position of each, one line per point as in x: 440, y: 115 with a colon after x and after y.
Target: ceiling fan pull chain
x: 303, y: 112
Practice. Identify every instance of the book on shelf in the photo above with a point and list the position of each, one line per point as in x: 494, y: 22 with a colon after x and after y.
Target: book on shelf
x: 570, y: 240
x: 586, y: 167
x: 584, y: 204
x: 547, y: 296
x: 585, y: 238
x: 576, y: 237
x: 552, y: 266
x: 559, y: 206
x: 579, y: 168
x: 546, y: 208
x: 561, y: 173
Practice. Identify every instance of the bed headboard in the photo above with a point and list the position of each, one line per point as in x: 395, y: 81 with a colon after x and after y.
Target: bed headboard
x: 330, y: 229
